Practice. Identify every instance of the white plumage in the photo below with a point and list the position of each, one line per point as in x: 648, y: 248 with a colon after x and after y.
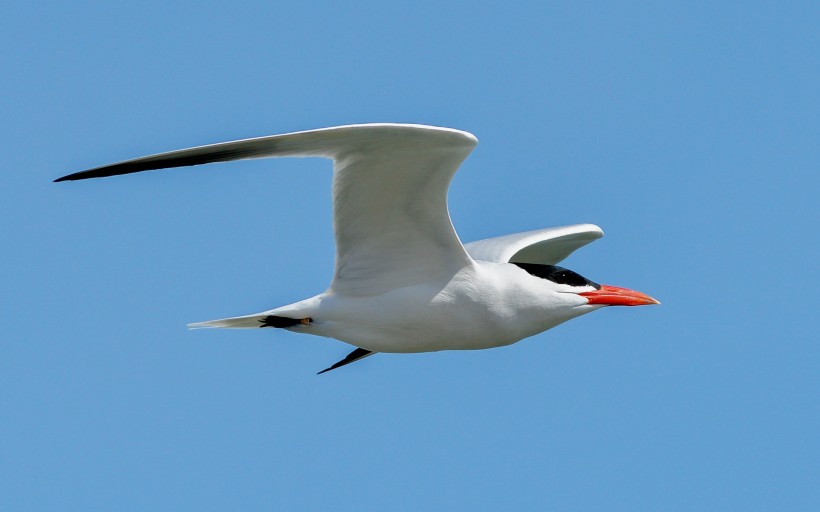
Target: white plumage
x: 403, y: 281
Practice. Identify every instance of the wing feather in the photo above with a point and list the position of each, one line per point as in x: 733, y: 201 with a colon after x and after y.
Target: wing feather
x: 390, y: 184
x: 543, y: 246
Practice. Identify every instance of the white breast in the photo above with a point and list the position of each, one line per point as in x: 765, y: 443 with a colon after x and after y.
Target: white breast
x: 482, y: 306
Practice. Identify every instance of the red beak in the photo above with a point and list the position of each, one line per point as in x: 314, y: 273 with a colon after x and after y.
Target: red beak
x: 616, y: 296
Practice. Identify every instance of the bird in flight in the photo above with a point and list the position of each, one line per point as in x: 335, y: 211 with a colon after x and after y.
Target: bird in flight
x: 403, y: 282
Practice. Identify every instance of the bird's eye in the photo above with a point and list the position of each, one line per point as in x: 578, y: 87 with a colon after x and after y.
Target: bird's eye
x: 568, y: 277
x: 557, y: 275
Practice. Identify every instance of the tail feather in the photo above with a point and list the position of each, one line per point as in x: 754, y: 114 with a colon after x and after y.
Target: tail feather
x: 238, y: 322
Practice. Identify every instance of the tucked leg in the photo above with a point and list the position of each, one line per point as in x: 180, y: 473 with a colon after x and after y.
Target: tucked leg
x: 281, y: 321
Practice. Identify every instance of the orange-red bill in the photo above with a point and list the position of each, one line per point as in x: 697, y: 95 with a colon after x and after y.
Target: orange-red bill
x: 617, y: 296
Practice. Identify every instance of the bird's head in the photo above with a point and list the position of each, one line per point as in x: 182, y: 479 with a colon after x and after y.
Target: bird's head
x: 563, y: 280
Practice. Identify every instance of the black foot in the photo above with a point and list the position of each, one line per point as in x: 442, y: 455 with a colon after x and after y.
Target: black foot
x: 352, y: 357
x: 281, y: 321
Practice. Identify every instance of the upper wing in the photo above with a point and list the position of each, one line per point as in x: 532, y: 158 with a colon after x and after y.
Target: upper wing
x: 543, y: 246
x: 390, y: 185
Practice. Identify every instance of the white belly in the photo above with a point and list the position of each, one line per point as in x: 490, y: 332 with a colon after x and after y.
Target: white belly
x: 482, y: 307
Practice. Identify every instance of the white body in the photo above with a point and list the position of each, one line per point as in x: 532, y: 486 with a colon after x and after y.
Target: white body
x: 403, y: 281
x: 483, y: 305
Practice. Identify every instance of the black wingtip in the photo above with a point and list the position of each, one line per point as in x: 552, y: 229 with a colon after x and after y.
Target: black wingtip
x: 82, y: 175
x: 352, y: 357
x: 101, y: 172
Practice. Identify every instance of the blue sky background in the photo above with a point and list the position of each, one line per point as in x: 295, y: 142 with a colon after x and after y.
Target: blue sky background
x: 687, y: 130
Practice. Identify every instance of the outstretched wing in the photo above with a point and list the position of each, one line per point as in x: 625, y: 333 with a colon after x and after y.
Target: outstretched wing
x: 542, y: 246
x: 390, y: 185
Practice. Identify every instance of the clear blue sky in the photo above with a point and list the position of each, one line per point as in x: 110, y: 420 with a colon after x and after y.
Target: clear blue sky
x: 687, y: 130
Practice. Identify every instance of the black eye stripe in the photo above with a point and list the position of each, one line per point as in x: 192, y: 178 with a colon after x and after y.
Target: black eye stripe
x: 558, y: 275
